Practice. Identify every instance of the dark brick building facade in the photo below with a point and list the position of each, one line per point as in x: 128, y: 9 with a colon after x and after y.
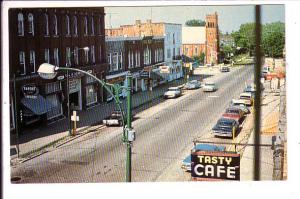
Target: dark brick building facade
x: 55, y: 36
x: 139, y: 55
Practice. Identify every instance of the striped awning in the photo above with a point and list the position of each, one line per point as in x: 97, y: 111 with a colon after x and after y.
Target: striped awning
x: 38, y: 105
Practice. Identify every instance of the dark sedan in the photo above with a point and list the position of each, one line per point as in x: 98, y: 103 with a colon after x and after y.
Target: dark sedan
x: 224, y: 127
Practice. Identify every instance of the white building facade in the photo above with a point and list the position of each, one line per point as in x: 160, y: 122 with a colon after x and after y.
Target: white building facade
x: 172, y: 50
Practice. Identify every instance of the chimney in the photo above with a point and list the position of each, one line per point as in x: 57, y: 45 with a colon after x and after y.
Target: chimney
x: 137, y: 22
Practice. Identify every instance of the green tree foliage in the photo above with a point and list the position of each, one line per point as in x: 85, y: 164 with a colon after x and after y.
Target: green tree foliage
x: 244, y: 38
x: 199, y: 59
x: 195, y: 22
x: 272, y: 38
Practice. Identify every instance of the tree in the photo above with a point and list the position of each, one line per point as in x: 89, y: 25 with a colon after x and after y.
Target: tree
x: 273, y: 39
x: 199, y: 59
x: 195, y: 22
x: 244, y: 38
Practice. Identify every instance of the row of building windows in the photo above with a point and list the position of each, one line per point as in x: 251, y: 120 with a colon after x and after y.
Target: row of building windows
x: 134, y: 61
x: 54, y: 30
x: 88, y: 55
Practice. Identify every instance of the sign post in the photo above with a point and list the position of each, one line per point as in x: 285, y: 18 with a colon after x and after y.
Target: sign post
x: 75, y: 119
x: 215, y: 165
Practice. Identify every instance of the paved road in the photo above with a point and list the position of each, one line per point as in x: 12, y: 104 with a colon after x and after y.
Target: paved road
x: 162, y: 137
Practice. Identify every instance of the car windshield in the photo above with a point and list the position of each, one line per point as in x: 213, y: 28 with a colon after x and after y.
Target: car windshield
x: 232, y: 111
x: 226, y: 123
x: 173, y: 89
x: 209, y: 84
x: 244, y: 97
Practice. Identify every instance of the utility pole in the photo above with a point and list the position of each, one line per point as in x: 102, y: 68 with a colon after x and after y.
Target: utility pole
x: 128, y: 129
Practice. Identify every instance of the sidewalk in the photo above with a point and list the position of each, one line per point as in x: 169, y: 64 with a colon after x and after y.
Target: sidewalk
x: 269, y: 128
x: 36, y: 141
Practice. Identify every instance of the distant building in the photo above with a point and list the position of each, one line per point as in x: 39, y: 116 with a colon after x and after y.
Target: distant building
x: 142, y: 56
x: 55, y: 36
x: 172, y: 34
x: 198, y: 40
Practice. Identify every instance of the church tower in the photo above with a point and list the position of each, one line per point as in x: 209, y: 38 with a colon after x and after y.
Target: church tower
x: 212, y: 38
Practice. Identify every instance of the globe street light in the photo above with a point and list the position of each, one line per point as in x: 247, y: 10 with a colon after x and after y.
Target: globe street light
x: 48, y: 71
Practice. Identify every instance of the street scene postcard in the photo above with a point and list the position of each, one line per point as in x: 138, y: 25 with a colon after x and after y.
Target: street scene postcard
x: 99, y: 93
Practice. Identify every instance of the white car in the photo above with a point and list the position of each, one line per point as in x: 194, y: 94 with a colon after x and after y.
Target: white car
x: 173, y: 92
x: 209, y: 86
x: 247, y: 98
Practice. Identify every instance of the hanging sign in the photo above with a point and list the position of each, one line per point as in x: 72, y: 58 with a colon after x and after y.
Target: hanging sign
x: 30, y: 90
x: 215, y: 165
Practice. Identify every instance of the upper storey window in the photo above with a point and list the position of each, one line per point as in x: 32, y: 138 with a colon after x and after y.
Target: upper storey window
x: 20, y: 24
x: 30, y: 24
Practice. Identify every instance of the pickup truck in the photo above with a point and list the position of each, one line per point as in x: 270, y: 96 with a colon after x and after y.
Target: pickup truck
x: 224, y: 127
x: 233, y: 113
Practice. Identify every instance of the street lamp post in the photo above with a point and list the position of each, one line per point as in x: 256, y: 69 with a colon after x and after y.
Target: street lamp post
x: 48, y: 71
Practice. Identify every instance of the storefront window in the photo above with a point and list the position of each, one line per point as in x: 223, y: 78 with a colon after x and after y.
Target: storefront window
x: 57, y: 106
x: 91, y: 95
x: 53, y: 87
x: 90, y: 79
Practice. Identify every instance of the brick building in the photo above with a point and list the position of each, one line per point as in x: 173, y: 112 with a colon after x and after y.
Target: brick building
x: 55, y: 36
x: 134, y: 54
x: 198, y: 40
x: 172, y: 34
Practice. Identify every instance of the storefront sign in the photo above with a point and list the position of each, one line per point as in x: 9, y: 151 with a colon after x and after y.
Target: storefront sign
x: 164, y: 69
x: 215, y: 165
x: 116, y: 80
x: 74, y: 75
x: 74, y: 85
x: 30, y: 90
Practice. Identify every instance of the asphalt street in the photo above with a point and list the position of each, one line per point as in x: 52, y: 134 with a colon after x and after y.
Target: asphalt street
x: 164, y: 132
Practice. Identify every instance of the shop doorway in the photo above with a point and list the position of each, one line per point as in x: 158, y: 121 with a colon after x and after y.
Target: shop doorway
x: 74, y: 101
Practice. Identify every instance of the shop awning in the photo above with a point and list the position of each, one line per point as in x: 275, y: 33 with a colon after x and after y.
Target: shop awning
x: 153, y: 75
x: 38, y: 105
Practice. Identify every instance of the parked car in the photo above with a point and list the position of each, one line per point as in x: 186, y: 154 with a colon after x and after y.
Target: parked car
x: 247, y: 98
x: 115, y: 119
x: 186, y: 163
x: 224, y: 127
x: 224, y: 68
x: 194, y: 84
x: 241, y: 106
x: 172, y: 92
x: 209, y: 87
x: 233, y: 113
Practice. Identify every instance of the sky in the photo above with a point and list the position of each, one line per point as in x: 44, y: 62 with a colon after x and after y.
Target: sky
x: 230, y: 17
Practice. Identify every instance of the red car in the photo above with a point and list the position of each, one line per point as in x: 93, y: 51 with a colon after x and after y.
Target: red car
x: 233, y: 113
